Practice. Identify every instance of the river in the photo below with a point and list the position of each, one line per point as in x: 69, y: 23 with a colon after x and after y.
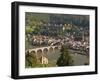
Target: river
x: 78, y: 59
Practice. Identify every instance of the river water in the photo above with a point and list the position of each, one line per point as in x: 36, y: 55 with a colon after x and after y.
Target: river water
x: 78, y: 59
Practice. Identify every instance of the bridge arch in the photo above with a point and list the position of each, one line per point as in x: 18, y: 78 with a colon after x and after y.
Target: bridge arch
x: 39, y: 51
x: 56, y: 48
x: 33, y: 52
x: 45, y: 50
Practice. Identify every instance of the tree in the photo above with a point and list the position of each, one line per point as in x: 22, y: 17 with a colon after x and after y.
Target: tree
x: 65, y: 58
x: 31, y: 59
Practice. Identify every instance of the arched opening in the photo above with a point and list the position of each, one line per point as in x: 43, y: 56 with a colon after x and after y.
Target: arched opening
x: 56, y: 48
x: 45, y: 50
x: 33, y: 52
x: 39, y: 53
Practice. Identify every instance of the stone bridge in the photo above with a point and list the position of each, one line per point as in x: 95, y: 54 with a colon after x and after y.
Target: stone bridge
x: 44, y: 49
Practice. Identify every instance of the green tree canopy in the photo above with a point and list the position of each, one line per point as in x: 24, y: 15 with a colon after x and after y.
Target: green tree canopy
x: 65, y: 59
x: 31, y: 59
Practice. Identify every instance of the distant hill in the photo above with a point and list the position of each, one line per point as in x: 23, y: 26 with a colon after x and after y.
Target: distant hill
x: 46, y: 23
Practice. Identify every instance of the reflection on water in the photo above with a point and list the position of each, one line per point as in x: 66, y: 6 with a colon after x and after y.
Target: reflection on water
x: 78, y: 59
